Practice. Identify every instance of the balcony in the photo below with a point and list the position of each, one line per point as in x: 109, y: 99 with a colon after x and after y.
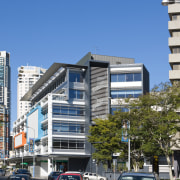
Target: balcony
x: 173, y: 25
x: 174, y: 41
x: 173, y: 8
x: 174, y: 74
x: 174, y: 58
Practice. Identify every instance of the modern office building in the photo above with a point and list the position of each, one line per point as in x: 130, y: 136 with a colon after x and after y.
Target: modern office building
x: 174, y: 60
x: 65, y: 100
x: 4, y: 104
x: 27, y: 76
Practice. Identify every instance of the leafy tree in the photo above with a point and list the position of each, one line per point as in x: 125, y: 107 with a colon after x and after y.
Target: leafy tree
x: 106, y: 138
x: 159, y: 121
x: 154, y: 124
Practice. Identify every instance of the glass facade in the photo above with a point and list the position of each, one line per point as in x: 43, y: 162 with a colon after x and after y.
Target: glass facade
x: 125, y: 93
x: 125, y: 77
x: 69, y: 111
x: 68, y: 127
x: 75, y: 77
x: 68, y: 144
x: 76, y: 94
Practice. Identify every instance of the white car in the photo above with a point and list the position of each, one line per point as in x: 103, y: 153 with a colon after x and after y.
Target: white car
x: 93, y: 176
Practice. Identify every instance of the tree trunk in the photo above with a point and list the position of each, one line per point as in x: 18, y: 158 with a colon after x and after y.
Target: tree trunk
x: 170, y: 167
x: 136, y: 167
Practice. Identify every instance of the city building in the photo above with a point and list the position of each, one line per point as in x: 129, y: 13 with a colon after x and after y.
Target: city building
x: 174, y: 60
x: 52, y: 134
x: 27, y: 76
x: 4, y: 104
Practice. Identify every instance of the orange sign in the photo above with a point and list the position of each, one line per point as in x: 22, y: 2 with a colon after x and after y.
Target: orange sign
x: 19, y: 140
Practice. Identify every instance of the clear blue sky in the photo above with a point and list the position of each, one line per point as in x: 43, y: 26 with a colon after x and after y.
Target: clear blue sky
x: 41, y: 32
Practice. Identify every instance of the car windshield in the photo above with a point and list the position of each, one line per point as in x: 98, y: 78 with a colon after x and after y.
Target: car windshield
x: 19, y: 178
x: 56, y: 173
x: 22, y: 170
x: 137, y: 178
x: 69, y: 177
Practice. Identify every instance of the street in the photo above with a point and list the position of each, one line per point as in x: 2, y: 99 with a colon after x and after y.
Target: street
x: 6, y: 177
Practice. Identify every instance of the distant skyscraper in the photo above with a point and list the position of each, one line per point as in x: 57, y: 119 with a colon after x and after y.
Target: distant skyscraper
x: 27, y: 76
x: 4, y: 104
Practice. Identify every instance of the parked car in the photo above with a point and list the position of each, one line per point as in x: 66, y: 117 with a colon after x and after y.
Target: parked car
x: 23, y: 171
x: 19, y: 177
x: 53, y: 175
x: 136, y: 176
x: 93, y: 176
x: 70, y: 176
x: 2, y: 172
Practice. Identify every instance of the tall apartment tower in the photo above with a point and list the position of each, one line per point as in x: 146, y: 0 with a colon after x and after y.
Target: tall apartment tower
x: 174, y: 39
x: 4, y: 104
x: 174, y: 59
x: 27, y: 77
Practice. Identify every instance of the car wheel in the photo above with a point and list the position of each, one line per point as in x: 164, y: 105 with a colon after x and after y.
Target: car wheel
x: 101, y: 179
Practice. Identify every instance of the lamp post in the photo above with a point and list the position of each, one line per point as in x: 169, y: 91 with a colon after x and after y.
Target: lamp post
x: 129, y: 151
x: 33, y: 150
x: 22, y: 159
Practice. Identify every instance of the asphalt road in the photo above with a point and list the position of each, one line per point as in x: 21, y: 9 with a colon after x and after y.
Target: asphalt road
x: 6, y: 177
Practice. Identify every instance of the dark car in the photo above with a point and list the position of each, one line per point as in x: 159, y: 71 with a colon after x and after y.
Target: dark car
x: 136, y: 176
x: 23, y: 171
x: 70, y: 176
x: 53, y: 175
x: 19, y: 177
x: 2, y: 172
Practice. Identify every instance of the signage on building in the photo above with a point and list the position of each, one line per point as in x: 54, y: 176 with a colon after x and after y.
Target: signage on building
x: 19, y: 140
x: 31, y: 145
x: 125, y: 127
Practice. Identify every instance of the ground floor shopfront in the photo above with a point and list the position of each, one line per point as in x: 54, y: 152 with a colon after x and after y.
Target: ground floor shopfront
x: 46, y: 164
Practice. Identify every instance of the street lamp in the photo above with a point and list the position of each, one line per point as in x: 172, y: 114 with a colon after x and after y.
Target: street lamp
x: 33, y: 151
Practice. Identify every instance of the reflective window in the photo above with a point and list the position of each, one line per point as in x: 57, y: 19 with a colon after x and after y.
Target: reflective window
x: 76, y: 94
x: 126, y: 77
x: 125, y: 93
x: 75, y: 77
x: 70, y: 127
x: 68, y: 144
x: 71, y: 111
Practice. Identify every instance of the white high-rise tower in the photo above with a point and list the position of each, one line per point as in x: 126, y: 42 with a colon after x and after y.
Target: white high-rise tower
x: 27, y: 77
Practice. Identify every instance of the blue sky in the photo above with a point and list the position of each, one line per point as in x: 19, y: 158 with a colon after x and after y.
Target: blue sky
x: 41, y: 32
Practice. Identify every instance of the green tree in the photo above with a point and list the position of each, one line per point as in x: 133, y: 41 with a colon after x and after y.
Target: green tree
x: 106, y: 138
x: 158, y: 125
x: 154, y: 126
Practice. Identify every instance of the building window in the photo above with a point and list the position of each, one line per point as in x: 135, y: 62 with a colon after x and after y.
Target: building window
x: 76, y: 94
x: 126, y: 77
x: 61, y: 127
x: 70, y: 111
x: 122, y: 109
x: 68, y: 144
x: 75, y: 77
x: 176, y: 50
x: 125, y: 93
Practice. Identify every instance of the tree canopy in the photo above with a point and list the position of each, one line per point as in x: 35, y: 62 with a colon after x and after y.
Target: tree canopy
x: 154, y: 126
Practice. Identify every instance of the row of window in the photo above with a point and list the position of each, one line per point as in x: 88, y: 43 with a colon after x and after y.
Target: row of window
x: 125, y: 77
x: 68, y: 127
x: 125, y: 93
x: 123, y: 109
x: 68, y: 144
x: 70, y: 111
